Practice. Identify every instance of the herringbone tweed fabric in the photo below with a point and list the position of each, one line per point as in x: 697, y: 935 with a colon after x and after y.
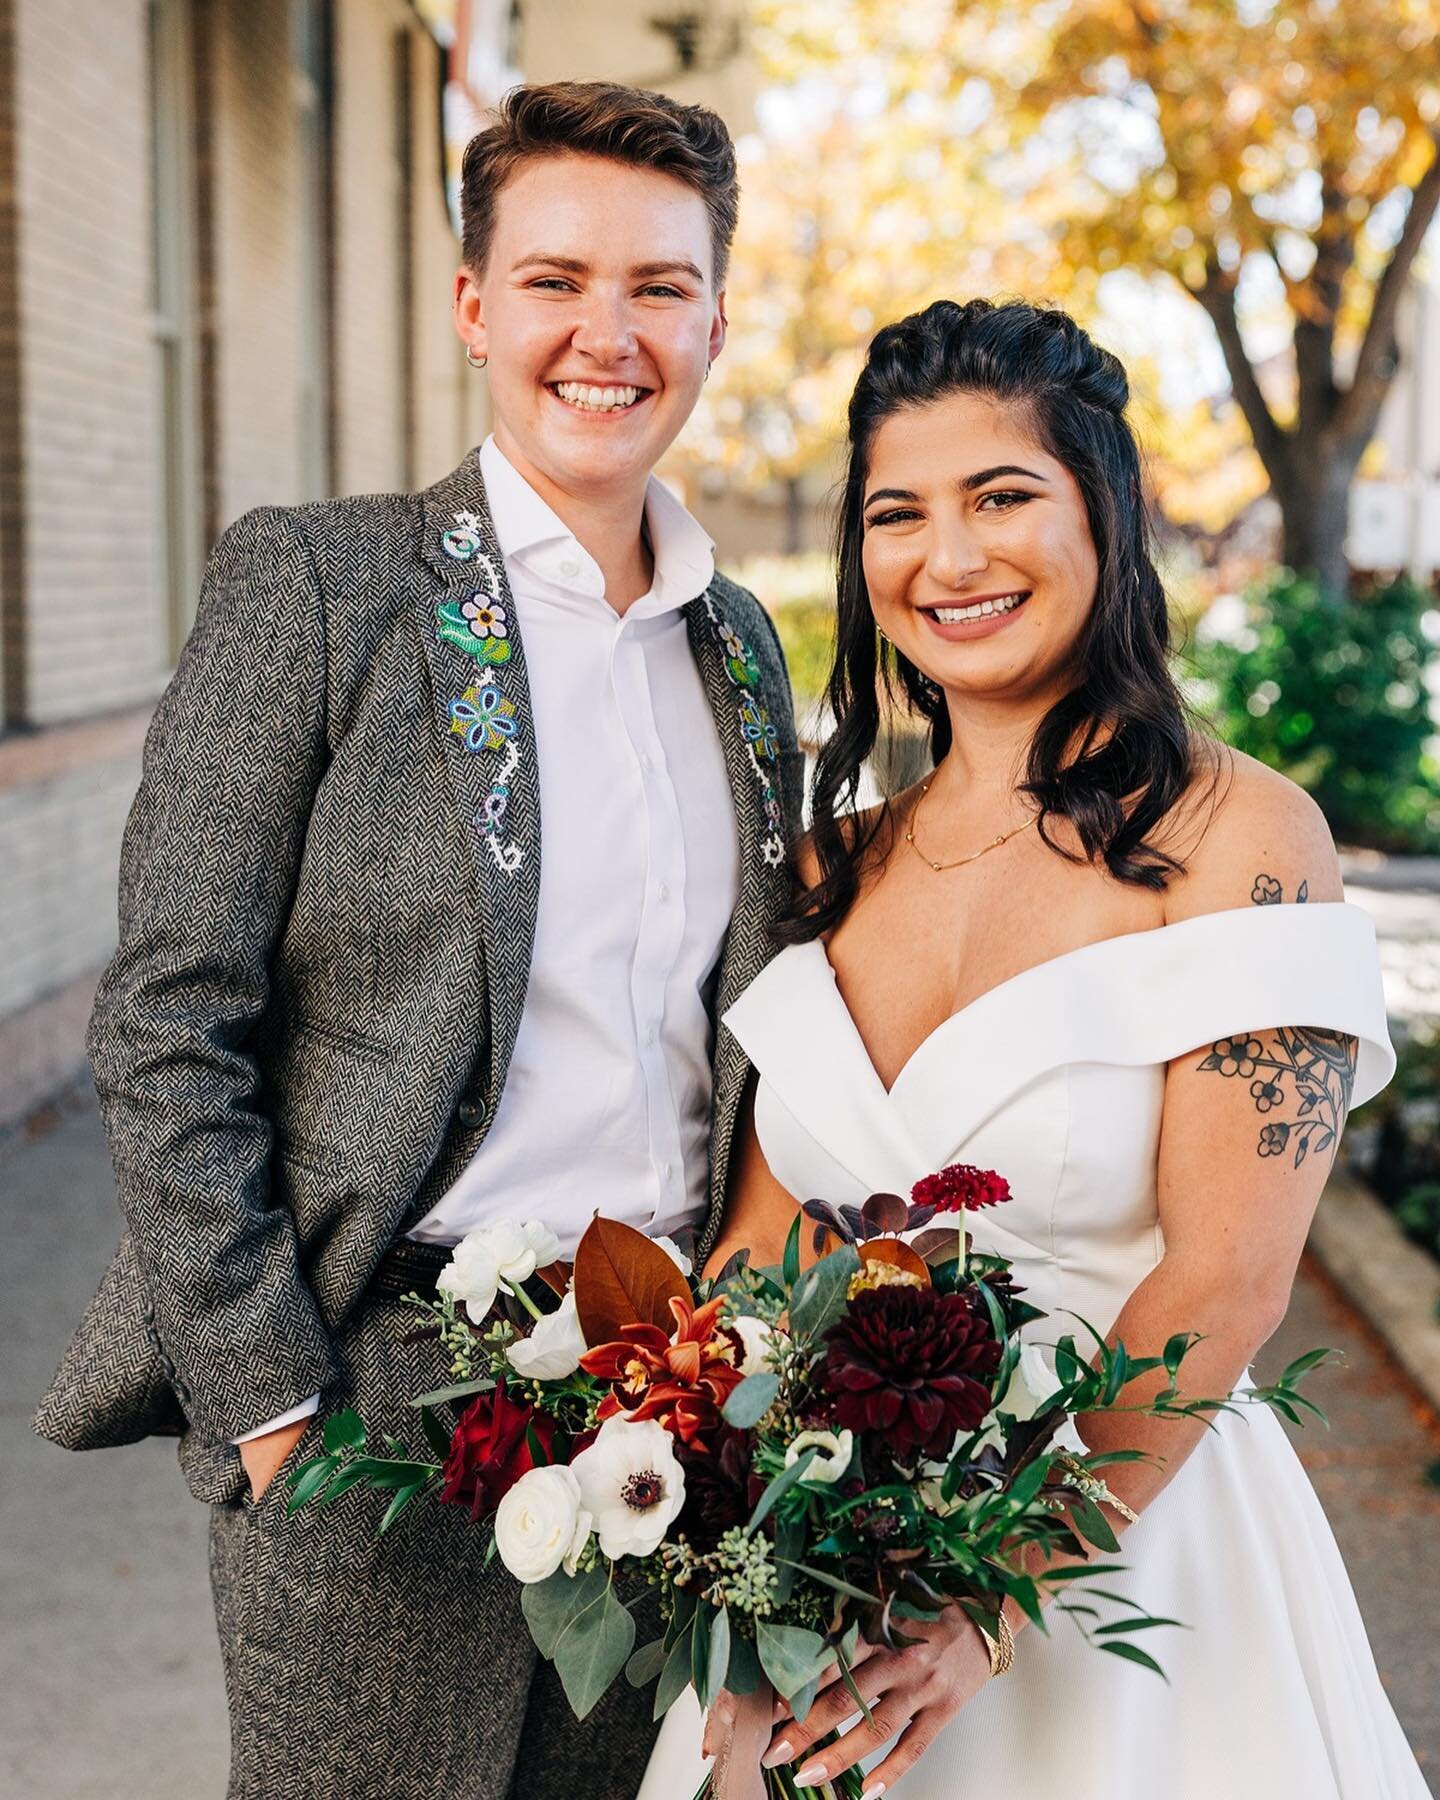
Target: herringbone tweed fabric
x: 397, y: 1668
x: 325, y: 940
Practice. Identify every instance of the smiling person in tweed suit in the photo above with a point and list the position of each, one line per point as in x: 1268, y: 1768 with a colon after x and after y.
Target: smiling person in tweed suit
x: 355, y: 1011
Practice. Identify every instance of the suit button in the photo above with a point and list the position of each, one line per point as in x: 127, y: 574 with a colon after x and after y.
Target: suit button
x: 470, y: 1112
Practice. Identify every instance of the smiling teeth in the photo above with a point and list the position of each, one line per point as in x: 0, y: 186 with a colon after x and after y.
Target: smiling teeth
x: 597, y: 399
x: 958, y: 615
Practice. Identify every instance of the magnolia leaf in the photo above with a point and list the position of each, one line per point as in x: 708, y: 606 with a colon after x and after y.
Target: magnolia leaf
x: 622, y: 1278
x: 750, y: 1402
x: 895, y: 1251
x: 556, y: 1277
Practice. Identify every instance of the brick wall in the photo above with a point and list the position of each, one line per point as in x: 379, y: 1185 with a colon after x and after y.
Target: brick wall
x: 95, y: 636
x: 92, y: 607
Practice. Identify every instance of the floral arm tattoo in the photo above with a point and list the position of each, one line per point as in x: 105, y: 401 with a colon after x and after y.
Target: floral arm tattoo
x: 1318, y: 1064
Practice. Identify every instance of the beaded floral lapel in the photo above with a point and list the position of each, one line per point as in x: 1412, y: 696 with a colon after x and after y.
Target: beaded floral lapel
x: 756, y: 730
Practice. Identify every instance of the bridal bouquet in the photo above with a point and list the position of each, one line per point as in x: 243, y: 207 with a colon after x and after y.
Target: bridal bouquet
x: 792, y: 1458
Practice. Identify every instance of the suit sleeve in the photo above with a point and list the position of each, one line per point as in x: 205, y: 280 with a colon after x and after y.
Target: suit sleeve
x: 207, y: 873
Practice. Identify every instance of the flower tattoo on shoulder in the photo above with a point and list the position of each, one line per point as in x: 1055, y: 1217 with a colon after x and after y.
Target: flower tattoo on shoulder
x: 1319, y: 1067
x: 1267, y: 891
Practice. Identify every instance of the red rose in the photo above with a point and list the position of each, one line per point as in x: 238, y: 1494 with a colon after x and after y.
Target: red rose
x: 961, y: 1186
x: 490, y: 1450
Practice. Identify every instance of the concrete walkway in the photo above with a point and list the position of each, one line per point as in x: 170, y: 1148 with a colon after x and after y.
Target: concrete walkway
x: 109, y: 1671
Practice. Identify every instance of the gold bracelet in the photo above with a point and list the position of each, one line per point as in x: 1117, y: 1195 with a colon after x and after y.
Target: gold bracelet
x: 1001, y: 1646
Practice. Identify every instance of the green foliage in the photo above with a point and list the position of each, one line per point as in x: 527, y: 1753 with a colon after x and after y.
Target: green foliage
x: 1399, y: 1131
x: 1334, y: 697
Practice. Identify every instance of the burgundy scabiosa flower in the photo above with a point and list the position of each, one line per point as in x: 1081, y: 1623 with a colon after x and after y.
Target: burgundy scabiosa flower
x: 961, y: 1187
x: 913, y: 1364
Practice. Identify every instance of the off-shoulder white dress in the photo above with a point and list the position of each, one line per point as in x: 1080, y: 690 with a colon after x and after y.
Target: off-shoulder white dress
x: 1056, y: 1078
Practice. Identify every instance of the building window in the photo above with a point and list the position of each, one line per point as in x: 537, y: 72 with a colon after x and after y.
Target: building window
x: 174, y: 332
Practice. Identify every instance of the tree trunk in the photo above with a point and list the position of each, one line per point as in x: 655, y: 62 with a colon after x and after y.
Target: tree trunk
x: 794, y: 515
x: 1314, y: 501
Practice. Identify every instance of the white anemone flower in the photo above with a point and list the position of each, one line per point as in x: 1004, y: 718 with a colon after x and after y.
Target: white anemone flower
x: 632, y: 1484
x: 554, y: 1347
x: 835, y: 1448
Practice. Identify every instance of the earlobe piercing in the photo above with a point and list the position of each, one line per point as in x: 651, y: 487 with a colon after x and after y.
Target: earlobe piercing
x: 475, y: 362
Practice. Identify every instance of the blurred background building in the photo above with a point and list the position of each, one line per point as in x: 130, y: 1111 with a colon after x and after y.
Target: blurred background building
x: 227, y: 238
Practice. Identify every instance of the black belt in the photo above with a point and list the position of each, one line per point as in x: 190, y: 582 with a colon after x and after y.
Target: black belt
x: 408, y: 1267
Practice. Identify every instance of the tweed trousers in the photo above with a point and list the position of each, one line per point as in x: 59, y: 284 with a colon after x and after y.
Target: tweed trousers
x: 398, y: 1668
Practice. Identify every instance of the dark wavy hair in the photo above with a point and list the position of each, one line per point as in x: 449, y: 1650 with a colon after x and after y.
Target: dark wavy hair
x: 1114, y: 755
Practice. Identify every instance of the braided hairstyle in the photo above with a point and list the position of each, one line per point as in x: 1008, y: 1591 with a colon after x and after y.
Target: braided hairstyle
x: 1114, y: 754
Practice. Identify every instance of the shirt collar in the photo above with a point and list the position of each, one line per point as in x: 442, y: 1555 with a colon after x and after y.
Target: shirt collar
x: 531, y: 534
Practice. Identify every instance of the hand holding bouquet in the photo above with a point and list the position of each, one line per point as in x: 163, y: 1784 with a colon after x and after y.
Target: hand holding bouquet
x: 796, y: 1460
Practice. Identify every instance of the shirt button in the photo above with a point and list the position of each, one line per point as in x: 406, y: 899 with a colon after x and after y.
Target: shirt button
x: 664, y: 890
x: 569, y: 566
x: 668, y: 1170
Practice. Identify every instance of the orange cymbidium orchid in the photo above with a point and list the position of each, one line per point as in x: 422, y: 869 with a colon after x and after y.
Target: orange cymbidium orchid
x: 682, y: 1380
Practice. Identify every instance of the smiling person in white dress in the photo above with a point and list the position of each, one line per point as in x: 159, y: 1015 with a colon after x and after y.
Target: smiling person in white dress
x: 1103, y: 956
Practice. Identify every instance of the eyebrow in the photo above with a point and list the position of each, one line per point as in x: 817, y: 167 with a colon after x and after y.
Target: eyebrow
x: 969, y: 484
x: 574, y: 266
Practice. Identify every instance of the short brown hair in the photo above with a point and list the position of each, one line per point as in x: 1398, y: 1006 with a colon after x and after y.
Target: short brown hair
x: 599, y: 118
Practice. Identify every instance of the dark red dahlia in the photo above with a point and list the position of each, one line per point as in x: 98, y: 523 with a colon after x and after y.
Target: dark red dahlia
x: 913, y: 1364
x: 721, y: 1488
x: 961, y: 1187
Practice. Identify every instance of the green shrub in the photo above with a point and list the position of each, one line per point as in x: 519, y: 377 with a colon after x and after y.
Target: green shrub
x: 1398, y: 1134
x: 1335, y: 697
x: 799, y: 594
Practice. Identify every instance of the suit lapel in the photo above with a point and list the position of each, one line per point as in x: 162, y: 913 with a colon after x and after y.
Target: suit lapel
x: 482, y: 712
x: 750, y: 742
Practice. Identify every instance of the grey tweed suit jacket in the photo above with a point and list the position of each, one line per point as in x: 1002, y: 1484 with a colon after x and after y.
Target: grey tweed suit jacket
x: 327, y: 911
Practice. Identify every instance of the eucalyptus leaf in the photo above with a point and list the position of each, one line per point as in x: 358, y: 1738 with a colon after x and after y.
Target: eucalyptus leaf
x: 675, y: 1676
x: 593, y: 1648
x: 818, y: 1298
x: 744, y: 1674
x: 791, y: 1656
x: 749, y: 1403
x: 700, y: 1647
x: 463, y: 1390
x: 646, y: 1663
x: 718, y: 1664
x: 781, y: 1484
x: 550, y: 1605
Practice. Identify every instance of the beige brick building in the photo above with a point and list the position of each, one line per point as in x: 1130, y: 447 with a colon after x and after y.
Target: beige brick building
x: 225, y: 258
x: 226, y: 252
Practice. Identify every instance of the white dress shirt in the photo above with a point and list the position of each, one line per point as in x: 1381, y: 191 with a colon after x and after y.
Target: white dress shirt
x: 606, y: 1105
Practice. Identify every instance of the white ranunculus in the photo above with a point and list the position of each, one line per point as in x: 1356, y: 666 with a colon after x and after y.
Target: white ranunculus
x: 676, y: 1255
x: 538, y: 1522
x: 554, y: 1347
x: 757, y: 1338
x: 499, y: 1255
x: 835, y: 1448
x: 472, y: 1275
x: 632, y: 1483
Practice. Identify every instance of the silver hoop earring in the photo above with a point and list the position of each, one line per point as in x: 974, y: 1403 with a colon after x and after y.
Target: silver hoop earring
x: 475, y: 362
x: 708, y: 367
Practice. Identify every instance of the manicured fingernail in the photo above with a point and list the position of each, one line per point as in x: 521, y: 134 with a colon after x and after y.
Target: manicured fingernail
x: 810, y: 1776
x: 874, y: 1791
x: 776, y: 1754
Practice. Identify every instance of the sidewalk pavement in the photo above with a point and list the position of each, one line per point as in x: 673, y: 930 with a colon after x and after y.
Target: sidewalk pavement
x: 109, y: 1671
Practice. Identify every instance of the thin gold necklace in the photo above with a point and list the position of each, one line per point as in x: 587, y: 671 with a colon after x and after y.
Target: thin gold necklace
x: 975, y: 855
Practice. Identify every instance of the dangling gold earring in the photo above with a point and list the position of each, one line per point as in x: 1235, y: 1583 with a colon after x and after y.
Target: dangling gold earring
x: 475, y: 362
x: 708, y: 367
